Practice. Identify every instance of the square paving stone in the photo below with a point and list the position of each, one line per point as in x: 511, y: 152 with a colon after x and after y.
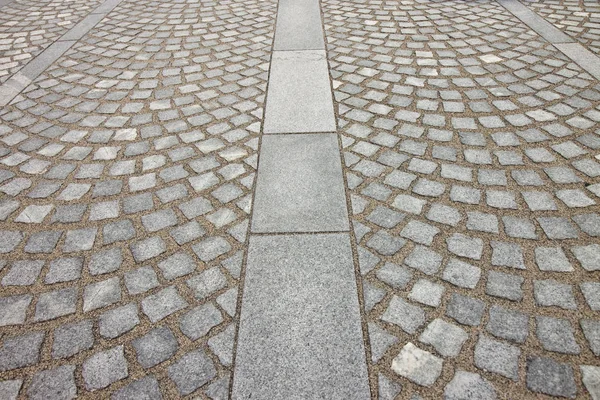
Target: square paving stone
x: 419, y: 232
x: 70, y: 339
x: 57, y: 383
x: 380, y: 341
x: 281, y: 270
x: 198, y: 321
x: 191, y: 371
x: 549, y: 293
x: 222, y: 345
x: 211, y: 248
x: 407, y: 316
x: 556, y: 334
x: 385, y: 218
x: 105, y: 261
x: 23, y: 273
x: 591, y: 292
x: 385, y: 244
x: 179, y: 264
x: 547, y: 376
x: 104, y: 368
x: 148, y: 248
x: 591, y: 331
x: 207, y: 282
x: 588, y: 256
x: 425, y: 260
x: 56, y: 304
x: 155, y: 347
x: 144, y: 388
x: 13, y: 309
x: 42, y: 242
x: 299, y: 99
x: 499, y: 357
x: 465, y: 310
x: 118, y: 231
x: 467, y: 385
x: 163, y: 304
x: 504, y: 285
x: 508, y: 324
x: 446, y: 338
x: 101, y: 294
x: 303, y: 191
x: 21, y: 351
x: 115, y: 322
x: 465, y: 246
x: 11, y: 388
x: 461, y: 274
x: 418, y: 366
x: 394, y: 275
x: 64, y: 270
x: 426, y: 292
x: 141, y: 280
x: 552, y: 259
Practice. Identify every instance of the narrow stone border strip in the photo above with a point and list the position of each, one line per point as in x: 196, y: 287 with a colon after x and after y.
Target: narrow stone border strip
x: 300, y: 334
x: 34, y: 68
x: 299, y: 26
x: 538, y: 24
x: 582, y: 57
x: 300, y: 186
x: 299, y: 96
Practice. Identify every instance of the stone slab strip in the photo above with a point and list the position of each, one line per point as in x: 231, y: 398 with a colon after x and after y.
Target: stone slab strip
x: 299, y: 26
x: 299, y: 96
x: 83, y: 27
x: 538, y: 24
x: 19, y: 81
x: 582, y: 57
x: 300, y: 330
x: 300, y: 185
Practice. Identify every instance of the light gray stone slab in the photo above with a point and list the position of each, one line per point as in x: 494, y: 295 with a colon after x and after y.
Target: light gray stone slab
x: 83, y: 27
x: 538, y: 24
x: 299, y: 26
x: 582, y: 57
x: 300, y: 329
x: 300, y: 185
x: 299, y: 96
x: 106, y: 7
x: 36, y: 66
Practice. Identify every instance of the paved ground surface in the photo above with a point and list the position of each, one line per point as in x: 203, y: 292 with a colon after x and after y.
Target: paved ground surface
x: 469, y: 151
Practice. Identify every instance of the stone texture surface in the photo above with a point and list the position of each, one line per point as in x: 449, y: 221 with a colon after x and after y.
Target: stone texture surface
x: 126, y: 168
x: 469, y: 150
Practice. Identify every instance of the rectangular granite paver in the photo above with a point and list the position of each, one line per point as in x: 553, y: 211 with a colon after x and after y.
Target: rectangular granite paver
x: 535, y: 22
x: 300, y: 332
x: 299, y: 26
x: 299, y: 96
x: 300, y: 186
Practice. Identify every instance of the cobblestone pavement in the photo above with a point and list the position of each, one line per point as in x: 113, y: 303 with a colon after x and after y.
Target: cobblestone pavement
x: 469, y: 153
x: 127, y: 173
x: 127, y: 170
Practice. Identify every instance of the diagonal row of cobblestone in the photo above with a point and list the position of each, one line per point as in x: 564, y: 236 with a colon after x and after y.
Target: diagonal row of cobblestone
x: 126, y: 173
x: 470, y: 150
